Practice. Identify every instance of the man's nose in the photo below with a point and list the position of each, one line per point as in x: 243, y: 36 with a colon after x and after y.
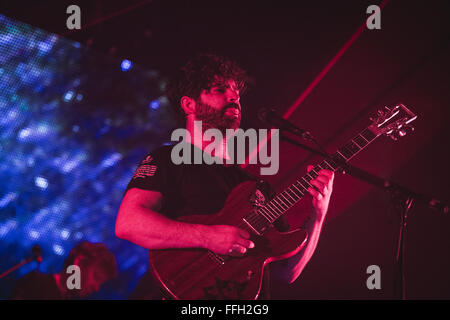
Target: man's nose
x: 233, y: 96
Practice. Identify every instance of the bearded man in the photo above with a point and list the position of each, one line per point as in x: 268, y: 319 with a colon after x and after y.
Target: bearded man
x: 206, y: 89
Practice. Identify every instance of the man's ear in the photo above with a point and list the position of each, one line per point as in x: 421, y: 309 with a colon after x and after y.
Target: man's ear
x: 188, y: 105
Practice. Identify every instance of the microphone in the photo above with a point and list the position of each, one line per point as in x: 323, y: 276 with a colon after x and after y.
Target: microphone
x: 271, y: 117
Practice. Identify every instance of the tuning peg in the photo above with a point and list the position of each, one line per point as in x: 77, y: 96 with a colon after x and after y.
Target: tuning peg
x: 393, y: 136
x: 409, y: 128
x: 405, y: 129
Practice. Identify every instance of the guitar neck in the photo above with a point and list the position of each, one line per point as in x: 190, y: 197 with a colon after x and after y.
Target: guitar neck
x: 264, y: 216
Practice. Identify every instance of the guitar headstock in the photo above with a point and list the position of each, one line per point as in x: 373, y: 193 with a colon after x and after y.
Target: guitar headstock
x: 393, y: 122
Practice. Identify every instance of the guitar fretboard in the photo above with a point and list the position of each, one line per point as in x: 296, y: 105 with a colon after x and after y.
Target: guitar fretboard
x: 264, y: 216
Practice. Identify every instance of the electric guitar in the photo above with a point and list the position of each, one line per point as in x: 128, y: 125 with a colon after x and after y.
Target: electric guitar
x: 190, y: 274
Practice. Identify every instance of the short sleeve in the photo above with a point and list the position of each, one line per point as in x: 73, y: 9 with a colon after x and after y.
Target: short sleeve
x: 150, y: 174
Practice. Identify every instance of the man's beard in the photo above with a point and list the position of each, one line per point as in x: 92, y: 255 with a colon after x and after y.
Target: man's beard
x: 213, y: 118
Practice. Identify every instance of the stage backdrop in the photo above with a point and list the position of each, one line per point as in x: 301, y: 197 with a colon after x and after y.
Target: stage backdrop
x: 74, y: 124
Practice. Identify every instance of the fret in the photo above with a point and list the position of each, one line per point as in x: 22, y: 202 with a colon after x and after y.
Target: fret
x: 267, y: 214
x: 274, y: 215
x: 274, y: 203
x: 357, y: 145
x: 275, y: 210
x: 326, y: 165
x: 283, y: 202
x: 332, y: 164
x: 360, y: 141
x: 345, y: 152
x: 288, y: 193
x: 272, y: 212
x: 339, y: 157
x: 313, y: 173
x: 360, y: 136
x: 302, y: 186
x: 368, y: 135
x: 297, y: 193
x: 353, y: 147
x: 290, y: 197
x: 308, y: 176
x: 301, y: 192
x: 287, y: 200
x: 307, y: 183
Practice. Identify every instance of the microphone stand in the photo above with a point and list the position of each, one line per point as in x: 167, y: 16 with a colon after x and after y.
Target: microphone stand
x: 36, y: 255
x: 17, y: 266
x: 401, y: 197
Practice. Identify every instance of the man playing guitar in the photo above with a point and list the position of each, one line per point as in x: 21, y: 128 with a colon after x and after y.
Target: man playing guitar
x: 207, y: 89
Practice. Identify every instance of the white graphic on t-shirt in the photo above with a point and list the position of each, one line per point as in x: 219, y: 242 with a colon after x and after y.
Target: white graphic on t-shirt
x: 145, y: 169
x: 147, y: 160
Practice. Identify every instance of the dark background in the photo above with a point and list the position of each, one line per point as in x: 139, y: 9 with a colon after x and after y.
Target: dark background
x: 284, y: 45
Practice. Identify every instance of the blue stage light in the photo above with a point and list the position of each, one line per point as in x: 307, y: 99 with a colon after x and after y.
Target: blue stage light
x: 5, y: 200
x: 65, y: 233
x: 58, y: 249
x: 154, y: 104
x: 7, y: 227
x: 111, y: 160
x: 68, y: 96
x: 24, y: 133
x: 33, y: 234
x: 126, y: 65
x: 41, y: 182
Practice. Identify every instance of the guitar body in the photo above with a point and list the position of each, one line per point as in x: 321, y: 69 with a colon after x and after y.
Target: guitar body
x: 190, y: 274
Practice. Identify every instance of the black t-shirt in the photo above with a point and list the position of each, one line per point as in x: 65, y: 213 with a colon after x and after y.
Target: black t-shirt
x: 190, y: 189
x: 37, y: 286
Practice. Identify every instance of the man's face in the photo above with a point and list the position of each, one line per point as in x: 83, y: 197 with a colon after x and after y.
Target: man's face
x: 219, y: 107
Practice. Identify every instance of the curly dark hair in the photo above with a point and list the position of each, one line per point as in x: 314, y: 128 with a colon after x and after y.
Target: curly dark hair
x: 93, y: 255
x: 200, y: 73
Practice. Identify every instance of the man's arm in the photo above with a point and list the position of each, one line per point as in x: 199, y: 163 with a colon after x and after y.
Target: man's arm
x: 139, y: 221
x: 290, y: 269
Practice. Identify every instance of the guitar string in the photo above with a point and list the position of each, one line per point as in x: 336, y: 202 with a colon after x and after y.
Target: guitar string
x: 286, y: 199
